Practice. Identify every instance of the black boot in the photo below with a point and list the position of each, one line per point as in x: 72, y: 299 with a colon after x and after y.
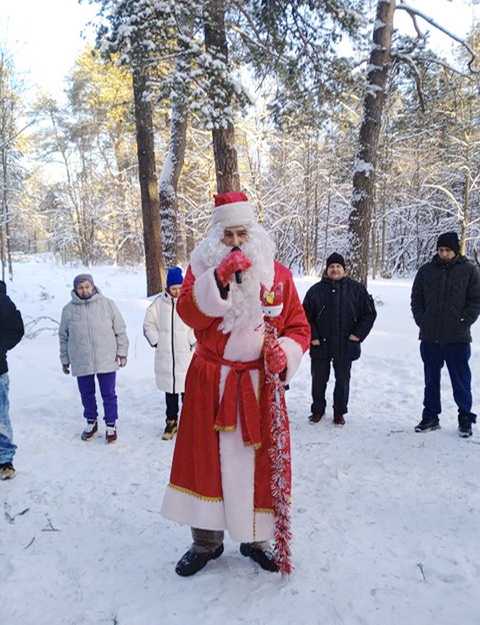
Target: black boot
x: 192, y: 561
x: 428, y: 424
x: 465, y: 424
x: 264, y: 558
x: 315, y: 417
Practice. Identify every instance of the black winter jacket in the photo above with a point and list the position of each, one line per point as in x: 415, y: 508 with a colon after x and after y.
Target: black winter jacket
x: 335, y: 309
x: 11, y: 326
x: 445, y: 300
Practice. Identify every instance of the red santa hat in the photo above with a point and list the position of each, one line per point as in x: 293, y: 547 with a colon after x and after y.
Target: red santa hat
x: 233, y: 209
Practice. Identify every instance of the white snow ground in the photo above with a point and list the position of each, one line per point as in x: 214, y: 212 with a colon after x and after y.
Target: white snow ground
x: 385, y: 520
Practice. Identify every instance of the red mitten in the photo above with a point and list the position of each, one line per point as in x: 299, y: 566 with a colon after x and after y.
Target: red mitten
x: 275, y: 358
x: 235, y: 261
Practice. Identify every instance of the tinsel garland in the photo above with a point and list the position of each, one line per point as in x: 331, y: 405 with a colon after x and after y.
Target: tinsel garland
x: 280, y: 458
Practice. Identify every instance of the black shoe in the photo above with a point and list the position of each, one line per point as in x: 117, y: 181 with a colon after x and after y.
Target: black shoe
x: 7, y: 472
x: 264, y: 558
x: 465, y: 425
x: 315, y: 417
x: 427, y: 425
x: 192, y: 561
x: 90, y: 431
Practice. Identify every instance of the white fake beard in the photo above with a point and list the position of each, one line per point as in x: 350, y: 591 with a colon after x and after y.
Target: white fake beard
x: 245, y: 311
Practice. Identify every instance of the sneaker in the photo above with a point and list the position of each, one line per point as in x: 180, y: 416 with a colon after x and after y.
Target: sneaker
x: 427, y: 424
x: 170, y: 430
x: 192, y: 561
x: 264, y: 558
x: 7, y: 472
x: 338, y: 420
x: 465, y: 426
x: 90, y: 431
x: 110, y: 434
x: 315, y: 417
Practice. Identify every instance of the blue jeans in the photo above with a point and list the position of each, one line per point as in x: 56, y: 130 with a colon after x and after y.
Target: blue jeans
x: 7, y: 448
x: 456, y: 357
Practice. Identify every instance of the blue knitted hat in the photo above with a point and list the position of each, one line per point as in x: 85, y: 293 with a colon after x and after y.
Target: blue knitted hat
x: 174, y: 277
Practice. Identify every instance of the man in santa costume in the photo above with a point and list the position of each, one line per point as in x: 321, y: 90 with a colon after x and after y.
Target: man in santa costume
x: 221, y: 470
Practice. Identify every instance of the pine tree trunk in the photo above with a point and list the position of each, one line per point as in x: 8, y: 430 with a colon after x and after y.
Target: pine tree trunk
x: 148, y: 186
x: 225, y: 153
x: 364, y: 174
x: 171, y: 171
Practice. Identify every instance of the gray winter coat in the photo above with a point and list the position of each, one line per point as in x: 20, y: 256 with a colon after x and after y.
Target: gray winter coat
x: 92, y: 333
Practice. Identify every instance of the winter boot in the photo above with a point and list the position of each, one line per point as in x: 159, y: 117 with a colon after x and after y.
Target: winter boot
x: 264, y: 558
x: 110, y: 434
x: 428, y: 424
x: 338, y: 420
x: 465, y: 424
x: 193, y: 561
x: 170, y: 430
x: 90, y: 431
x: 315, y: 417
x: 7, y: 472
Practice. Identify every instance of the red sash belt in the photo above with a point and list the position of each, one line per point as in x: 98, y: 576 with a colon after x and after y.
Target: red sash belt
x: 238, y: 395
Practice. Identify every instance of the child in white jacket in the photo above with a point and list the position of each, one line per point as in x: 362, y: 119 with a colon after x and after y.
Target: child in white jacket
x: 173, y: 341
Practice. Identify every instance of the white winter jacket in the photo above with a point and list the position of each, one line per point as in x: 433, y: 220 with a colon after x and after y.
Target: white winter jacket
x: 174, y: 342
x: 92, y: 333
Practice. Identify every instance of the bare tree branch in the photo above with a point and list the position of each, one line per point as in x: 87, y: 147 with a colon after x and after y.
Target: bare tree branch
x: 416, y: 13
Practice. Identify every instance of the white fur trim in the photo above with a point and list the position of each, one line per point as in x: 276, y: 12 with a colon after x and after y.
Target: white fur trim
x: 294, y: 354
x: 234, y: 214
x: 207, y: 295
x: 238, y: 469
x: 190, y: 510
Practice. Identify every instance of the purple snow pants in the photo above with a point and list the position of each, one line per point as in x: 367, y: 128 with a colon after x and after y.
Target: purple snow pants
x: 86, y: 385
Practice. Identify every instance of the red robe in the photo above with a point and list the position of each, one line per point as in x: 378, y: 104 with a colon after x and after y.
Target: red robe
x: 221, y: 473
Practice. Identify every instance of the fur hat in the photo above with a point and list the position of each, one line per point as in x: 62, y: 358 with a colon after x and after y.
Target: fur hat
x: 233, y: 209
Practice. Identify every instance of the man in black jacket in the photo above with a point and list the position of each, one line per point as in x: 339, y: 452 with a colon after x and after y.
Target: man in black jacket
x: 11, y: 332
x: 445, y: 303
x: 341, y: 313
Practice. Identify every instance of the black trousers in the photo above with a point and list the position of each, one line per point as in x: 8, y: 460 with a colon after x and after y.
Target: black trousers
x: 320, y: 368
x: 171, y: 400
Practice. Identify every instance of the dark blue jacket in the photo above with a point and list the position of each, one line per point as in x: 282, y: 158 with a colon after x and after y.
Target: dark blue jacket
x: 446, y: 300
x: 11, y: 326
x: 335, y: 309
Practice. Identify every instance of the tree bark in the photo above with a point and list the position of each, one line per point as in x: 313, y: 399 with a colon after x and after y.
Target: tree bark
x: 224, y: 150
x: 154, y: 264
x: 365, y: 164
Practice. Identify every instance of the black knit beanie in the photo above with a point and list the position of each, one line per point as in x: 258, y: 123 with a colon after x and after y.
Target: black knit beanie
x: 450, y: 240
x: 336, y: 258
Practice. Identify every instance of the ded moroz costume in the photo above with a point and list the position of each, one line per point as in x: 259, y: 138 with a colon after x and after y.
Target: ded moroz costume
x: 221, y: 476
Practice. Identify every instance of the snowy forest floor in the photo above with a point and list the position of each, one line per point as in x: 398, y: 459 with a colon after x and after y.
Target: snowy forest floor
x: 385, y: 520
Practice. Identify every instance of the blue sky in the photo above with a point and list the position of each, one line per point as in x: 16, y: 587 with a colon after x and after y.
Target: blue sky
x: 45, y: 35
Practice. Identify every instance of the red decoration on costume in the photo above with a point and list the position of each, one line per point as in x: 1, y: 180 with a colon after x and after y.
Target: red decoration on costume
x: 272, y: 300
x: 230, y: 198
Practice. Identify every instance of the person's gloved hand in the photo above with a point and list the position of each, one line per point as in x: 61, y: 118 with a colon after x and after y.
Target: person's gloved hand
x: 235, y: 261
x: 121, y: 360
x: 66, y: 369
x: 275, y: 358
